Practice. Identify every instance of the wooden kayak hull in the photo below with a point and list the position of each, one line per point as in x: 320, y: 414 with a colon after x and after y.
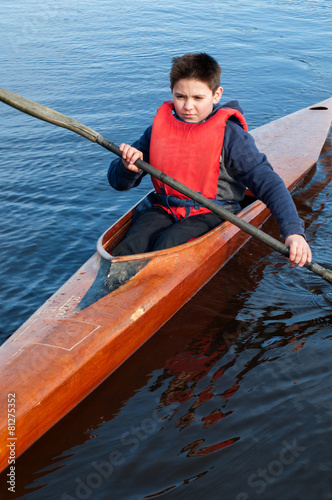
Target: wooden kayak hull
x: 89, y: 326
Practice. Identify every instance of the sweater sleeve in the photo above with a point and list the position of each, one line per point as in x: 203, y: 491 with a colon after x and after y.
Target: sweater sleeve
x: 122, y: 179
x: 252, y: 168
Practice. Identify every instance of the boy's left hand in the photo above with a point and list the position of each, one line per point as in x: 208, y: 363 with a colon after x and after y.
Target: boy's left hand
x: 299, y: 250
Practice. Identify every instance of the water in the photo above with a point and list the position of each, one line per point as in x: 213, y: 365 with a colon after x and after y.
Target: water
x: 231, y: 398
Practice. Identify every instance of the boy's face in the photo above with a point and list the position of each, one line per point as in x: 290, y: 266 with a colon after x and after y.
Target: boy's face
x: 193, y: 100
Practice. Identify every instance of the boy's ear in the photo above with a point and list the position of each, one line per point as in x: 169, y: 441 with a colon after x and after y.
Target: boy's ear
x: 217, y: 95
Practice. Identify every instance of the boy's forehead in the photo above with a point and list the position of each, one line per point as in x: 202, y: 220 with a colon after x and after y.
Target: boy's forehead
x: 191, y: 86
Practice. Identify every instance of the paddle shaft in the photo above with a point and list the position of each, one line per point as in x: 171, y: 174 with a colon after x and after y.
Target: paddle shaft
x: 47, y: 114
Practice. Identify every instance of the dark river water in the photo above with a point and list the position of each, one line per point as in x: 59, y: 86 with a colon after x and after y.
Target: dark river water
x: 231, y: 399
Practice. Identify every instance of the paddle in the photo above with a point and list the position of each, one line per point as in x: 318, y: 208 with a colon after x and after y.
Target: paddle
x: 49, y: 115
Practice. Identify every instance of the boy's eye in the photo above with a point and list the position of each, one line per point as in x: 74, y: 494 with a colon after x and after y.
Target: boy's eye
x: 197, y: 98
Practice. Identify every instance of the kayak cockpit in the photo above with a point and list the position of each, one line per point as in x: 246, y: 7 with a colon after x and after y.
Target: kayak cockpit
x: 113, y: 235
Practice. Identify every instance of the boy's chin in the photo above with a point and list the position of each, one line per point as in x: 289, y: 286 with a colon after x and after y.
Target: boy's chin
x: 191, y: 119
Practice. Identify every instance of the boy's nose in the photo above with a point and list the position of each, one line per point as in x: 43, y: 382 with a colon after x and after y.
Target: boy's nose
x: 188, y: 104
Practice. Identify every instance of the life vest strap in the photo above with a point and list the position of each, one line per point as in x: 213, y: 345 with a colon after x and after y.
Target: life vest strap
x: 169, y: 201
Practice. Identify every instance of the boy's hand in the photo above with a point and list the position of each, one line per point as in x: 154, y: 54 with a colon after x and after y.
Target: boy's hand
x: 129, y: 156
x: 299, y: 250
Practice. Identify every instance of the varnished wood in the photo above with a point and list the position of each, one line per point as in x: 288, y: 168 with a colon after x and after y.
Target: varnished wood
x: 71, y: 344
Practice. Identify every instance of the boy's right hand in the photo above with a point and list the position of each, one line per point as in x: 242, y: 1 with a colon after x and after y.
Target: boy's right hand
x: 129, y: 156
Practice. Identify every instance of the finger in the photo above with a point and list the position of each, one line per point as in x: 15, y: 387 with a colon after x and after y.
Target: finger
x: 130, y: 154
x: 303, y: 258
x: 306, y: 256
x: 132, y: 165
x: 122, y: 146
x: 136, y: 155
x: 299, y: 255
x: 309, y: 255
x: 133, y: 168
x: 126, y: 151
x: 296, y: 255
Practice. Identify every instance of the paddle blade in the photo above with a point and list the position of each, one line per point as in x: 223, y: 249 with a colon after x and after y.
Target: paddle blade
x: 47, y: 114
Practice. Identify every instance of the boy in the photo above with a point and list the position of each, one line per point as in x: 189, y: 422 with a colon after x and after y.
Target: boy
x: 206, y: 146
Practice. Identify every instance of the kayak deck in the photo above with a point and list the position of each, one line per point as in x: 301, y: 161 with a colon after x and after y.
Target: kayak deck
x: 107, y: 310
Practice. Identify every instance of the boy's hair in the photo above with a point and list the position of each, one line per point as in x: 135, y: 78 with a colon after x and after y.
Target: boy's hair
x: 199, y: 66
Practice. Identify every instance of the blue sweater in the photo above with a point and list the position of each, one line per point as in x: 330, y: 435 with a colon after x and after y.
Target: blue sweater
x: 242, y: 166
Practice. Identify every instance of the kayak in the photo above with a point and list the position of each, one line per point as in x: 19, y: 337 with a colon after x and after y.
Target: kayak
x: 112, y: 305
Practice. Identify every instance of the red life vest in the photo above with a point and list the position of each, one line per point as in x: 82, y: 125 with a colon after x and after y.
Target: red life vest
x: 190, y: 153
